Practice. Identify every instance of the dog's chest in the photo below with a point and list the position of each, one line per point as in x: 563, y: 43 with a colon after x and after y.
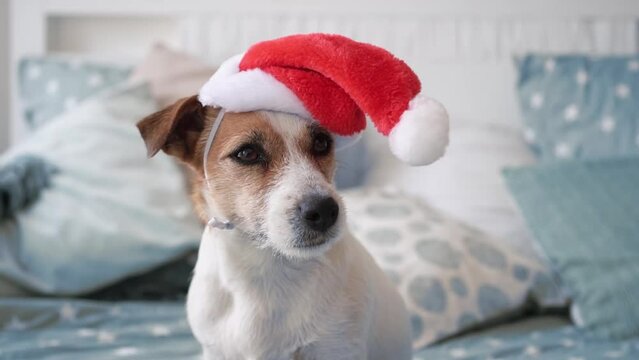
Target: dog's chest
x: 257, y: 322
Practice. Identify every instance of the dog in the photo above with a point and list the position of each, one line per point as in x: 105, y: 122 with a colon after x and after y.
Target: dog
x: 288, y: 281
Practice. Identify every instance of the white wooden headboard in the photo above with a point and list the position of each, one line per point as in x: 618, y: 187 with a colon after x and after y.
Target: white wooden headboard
x: 462, y: 49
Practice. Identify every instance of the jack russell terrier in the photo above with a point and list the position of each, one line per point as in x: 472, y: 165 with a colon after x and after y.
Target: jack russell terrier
x: 278, y: 275
x: 289, y: 281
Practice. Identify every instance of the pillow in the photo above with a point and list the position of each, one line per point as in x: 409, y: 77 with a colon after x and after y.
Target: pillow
x: 353, y: 162
x: 467, y: 182
x: 585, y: 215
x: 451, y: 276
x: 109, y: 211
x: 49, y: 86
x: 580, y: 107
x: 173, y: 75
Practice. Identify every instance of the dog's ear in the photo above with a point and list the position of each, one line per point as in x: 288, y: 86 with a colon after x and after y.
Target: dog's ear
x: 175, y: 130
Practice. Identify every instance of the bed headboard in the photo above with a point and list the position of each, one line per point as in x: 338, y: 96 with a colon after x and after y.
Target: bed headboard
x: 462, y: 49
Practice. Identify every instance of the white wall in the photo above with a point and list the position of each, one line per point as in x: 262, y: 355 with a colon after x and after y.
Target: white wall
x: 462, y: 50
x: 4, y: 74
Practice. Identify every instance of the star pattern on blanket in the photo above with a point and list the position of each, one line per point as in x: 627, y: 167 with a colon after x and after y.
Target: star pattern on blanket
x: 49, y: 343
x: 106, y: 337
x: 67, y: 312
x: 15, y: 324
x: 532, y: 350
x: 85, y: 332
x: 160, y: 331
x: 126, y: 351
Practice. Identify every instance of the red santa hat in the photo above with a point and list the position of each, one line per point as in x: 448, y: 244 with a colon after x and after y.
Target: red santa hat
x: 337, y: 82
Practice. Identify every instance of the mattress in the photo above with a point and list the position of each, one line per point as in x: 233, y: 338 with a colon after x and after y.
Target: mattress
x: 56, y: 329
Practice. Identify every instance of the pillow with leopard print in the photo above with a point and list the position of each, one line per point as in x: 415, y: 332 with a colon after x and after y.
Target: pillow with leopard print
x: 452, y: 277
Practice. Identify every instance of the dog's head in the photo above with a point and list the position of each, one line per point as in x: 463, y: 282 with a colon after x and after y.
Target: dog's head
x: 270, y: 173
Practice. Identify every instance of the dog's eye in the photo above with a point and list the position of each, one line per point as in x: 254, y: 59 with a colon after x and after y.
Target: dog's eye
x: 248, y: 155
x: 321, y: 144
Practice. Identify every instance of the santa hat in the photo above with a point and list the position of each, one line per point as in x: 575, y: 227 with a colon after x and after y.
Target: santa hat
x: 335, y: 81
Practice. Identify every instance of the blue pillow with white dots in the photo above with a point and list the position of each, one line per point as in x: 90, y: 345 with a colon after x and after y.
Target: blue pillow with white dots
x: 50, y: 86
x: 452, y: 276
x: 580, y: 107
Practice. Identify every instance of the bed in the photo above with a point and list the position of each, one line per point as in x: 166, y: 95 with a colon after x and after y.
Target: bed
x: 465, y: 52
x: 71, y: 329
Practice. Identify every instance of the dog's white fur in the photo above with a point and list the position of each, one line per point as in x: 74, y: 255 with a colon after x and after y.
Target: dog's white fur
x: 272, y: 301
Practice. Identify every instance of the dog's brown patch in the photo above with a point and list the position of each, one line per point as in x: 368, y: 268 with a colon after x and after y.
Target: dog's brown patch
x: 175, y: 129
x: 239, y: 190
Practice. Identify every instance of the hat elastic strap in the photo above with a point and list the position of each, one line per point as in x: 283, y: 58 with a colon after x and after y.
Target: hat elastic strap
x: 214, y: 222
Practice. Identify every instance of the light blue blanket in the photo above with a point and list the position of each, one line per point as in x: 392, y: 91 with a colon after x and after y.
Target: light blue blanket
x: 79, y: 330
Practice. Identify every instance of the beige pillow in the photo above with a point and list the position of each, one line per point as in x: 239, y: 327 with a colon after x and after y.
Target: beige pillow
x: 172, y: 74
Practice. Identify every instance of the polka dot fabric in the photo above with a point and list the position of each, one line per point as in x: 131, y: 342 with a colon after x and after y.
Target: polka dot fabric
x: 580, y: 107
x: 51, y: 86
x: 452, y: 276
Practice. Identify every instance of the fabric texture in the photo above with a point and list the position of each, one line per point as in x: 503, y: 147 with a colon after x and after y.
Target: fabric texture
x: 52, y: 329
x: 171, y: 75
x: 545, y: 338
x: 580, y: 107
x: 337, y: 82
x: 49, y: 86
x: 114, y: 212
x: 584, y: 215
x: 467, y: 182
x: 21, y: 182
x: 451, y: 276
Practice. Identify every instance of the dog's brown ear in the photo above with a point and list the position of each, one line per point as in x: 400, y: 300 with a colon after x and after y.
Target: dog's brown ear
x: 175, y: 130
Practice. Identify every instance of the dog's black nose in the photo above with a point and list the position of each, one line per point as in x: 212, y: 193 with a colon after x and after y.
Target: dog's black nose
x: 318, y: 213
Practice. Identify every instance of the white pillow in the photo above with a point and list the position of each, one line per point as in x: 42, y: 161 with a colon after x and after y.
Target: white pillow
x: 452, y: 276
x: 467, y: 181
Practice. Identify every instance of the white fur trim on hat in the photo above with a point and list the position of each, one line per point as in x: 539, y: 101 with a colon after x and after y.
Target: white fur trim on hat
x: 239, y: 91
x: 421, y: 135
